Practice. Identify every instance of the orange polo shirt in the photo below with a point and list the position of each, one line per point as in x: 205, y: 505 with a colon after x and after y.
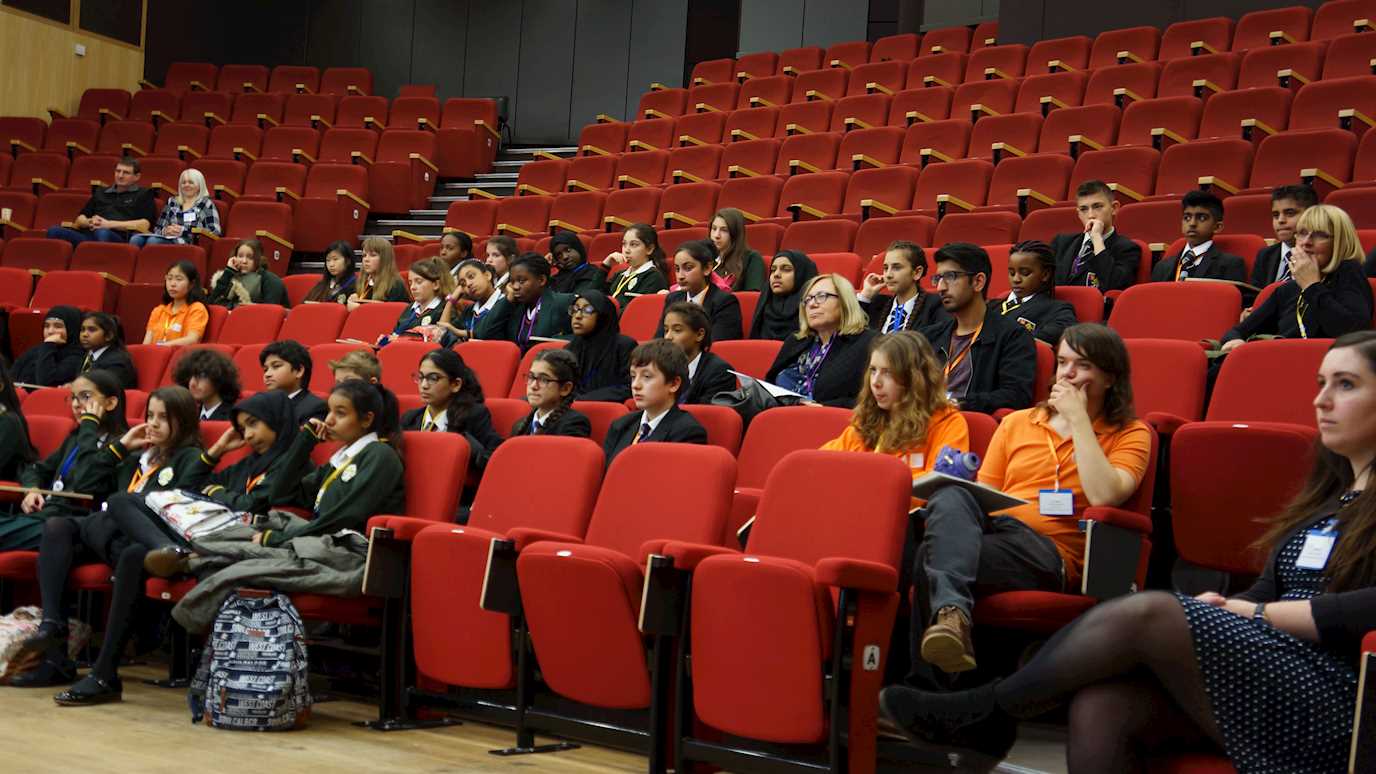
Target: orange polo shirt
x: 946, y: 428
x: 1019, y: 463
x: 191, y: 318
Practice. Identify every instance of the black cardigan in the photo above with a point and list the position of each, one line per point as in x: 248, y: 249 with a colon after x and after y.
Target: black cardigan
x: 722, y: 308
x: 840, y: 375
x: 1339, y: 303
x: 1003, y: 362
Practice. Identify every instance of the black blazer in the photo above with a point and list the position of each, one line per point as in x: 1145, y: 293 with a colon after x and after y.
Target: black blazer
x: 570, y: 423
x: 1003, y: 361
x: 117, y: 361
x: 927, y: 310
x: 713, y: 376
x: 840, y: 375
x: 1267, y: 265
x: 308, y: 405
x: 1043, y: 316
x: 1113, y: 269
x: 722, y: 309
x: 678, y: 426
x: 1337, y: 304
x: 1215, y: 264
x: 476, y: 428
x: 222, y: 413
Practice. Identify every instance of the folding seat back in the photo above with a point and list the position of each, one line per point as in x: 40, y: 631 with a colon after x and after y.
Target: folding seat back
x: 300, y: 144
x: 345, y: 145
x: 85, y: 290
x: 1343, y: 102
x: 184, y: 141
x: 860, y: 112
x: 591, y: 173
x: 847, y: 56
x: 21, y: 205
x: 650, y: 134
x: 761, y: 64
x: 946, y: 69
x: 921, y: 104
x: 262, y: 110
x: 820, y: 236
x: 1258, y: 29
x: 822, y: 85
x: 945, y: 39
x: 981, y: 228
x: 630, y: 206
x: 1349, y: 55
x: 774, y: 433
x: 641, y: 316
x: 1045, y: 92
x: 22, y: 133
x: 1001, y: 137
x: 275, y: 181
x: 243, y: 78
x: 346, y: 81
x: 269, y: 222
x: 602, y: 139
x: 1178, y: 41
x: 698, y: 129
x: 542, y: 178
x: 290, y: 79
x: 72, y: 136
x: 240, y: 142
x: 712, y: 97
x: 1044, y: 225
x: 1289, y: 156
x: 814, y: 196
x: 800, y: 117
x: 899, y: 48
x: 688, y: 204
x: 1226, y: 162
x: 752, y: 124
x: 1285, y: 366
x: 876, y: 234
x: 1264, y: 66
x: 714, y: 71
x: 48, y: 402
x: 414, y: 113
x: 189, y: 76
x: 977, y: 99
x: 1123, y: 84
x: 1160, y: 122
x: 795, y: 61
x: 113, y: 258
x: 882, y: 191
x: 1003, y: 62
x: 39, y: 173
x: 869, y: 148
x: 56, y: 208
x: 209, y: 108
x: 878, y: 77
x: 400, y: 359
x: 1214, y: 74
x: 361, y: 112
x: 1130, y: 172
x: 1130, y: 44
x: 764, y: 237
x: 641, y: 170
x: 1188, y: 311
x: 807, y: 153
x: 1360, y: 203
x: 37, y: 253
x: 155, y: 105
x: 314, y: 110
x: 1058, y: 54
x: 1167, y: 381
x: 663, y: 103
x: 521, y: 215
x: 956, y: 186
x: 103, y: 105
x: 1265, y: 111
x: 252, y: 324
x: 154, y: 261
x: 695, y: 164
x: 757, y: 196
x: 222, y: 176
x: 369, y: 321
x: 935, y: 141
x: 134, y: 138
x: 1152, y: 221
x: 1342, y: 17
x: 578, y: 212
x: 313, y: 324
x: 150, y: 362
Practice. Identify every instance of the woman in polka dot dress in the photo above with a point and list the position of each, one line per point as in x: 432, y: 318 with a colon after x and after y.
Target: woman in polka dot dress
x: 1268, y: 676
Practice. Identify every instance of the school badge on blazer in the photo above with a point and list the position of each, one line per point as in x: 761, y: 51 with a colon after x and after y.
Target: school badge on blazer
x: 165, y: 477
x: 1028, y: 324
x: 425, y: 320
x: 349, y: 473
x: 1093, y: 279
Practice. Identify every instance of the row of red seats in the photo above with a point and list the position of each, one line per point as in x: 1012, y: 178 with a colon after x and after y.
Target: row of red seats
x: 204, y: 76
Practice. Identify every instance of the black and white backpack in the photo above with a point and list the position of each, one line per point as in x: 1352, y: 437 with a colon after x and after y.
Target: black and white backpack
x: 253, y: 672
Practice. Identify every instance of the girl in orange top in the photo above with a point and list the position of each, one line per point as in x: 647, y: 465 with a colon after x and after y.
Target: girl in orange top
x: 182, y: 318
x: 903, y: 410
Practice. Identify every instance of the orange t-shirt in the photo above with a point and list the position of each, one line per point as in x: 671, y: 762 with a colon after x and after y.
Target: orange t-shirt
x: 1019, y: 463
x: 192, y: 318
x: 946, y: 427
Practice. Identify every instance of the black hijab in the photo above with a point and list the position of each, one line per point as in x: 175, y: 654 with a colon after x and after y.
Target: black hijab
x: 563, y: 281
x: 67, y: 358
x: 601, y: 354
x: 776, y: 317
x: 273, y: 408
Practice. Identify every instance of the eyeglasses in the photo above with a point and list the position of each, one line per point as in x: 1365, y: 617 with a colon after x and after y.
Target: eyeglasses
x: 82, y: 397
x: 583, y: 309
x: 1317, y: 236
x: 948, y: 277
x: 819, y: 298
x: 541, y: 379
x: 431, y: 379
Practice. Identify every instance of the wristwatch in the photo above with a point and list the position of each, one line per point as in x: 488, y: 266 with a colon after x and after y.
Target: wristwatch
x: 1259, y: 612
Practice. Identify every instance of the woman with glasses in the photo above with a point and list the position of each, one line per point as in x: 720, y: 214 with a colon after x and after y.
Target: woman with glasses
x: 1327, y: 294
x: 453, y: 404
x: 602, y: 350
x: 549, y: 391
x: 825, y: 360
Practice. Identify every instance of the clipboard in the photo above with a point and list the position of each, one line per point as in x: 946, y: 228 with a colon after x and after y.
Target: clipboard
x: 989, y: 498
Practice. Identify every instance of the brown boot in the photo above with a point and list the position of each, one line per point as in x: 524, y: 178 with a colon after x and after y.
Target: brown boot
x: 946, y: 644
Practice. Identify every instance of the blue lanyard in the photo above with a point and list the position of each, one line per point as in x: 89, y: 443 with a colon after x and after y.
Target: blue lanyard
x: 67, y: 463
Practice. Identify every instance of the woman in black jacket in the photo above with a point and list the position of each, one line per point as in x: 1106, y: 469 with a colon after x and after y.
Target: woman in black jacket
x: 103, y: 341
x: 57, y: 360
x: 603, y: 351
x: 1268, y: 676
x: 825, y: 360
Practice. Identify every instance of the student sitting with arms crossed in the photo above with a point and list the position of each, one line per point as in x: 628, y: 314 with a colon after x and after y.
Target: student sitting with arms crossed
x: 686, y: 325
x: 212, y: 380
x: 659, y: 369
x: 103, y: 341
x: 990, y: 361
x: 534, y: 310
x: 776, y: 313
x: 357, y: 364
x: 824, y: 360
x: 693, y: 269
x: 549, y: 391
x: 431, y: 285
x: 57, y: 359
x: 602, y: 350
x: 287, y: 367
x: 1031, y: 300
x: 908, y: 308
x: 1201, y: 217
x: 1099, y: 256
x: 453, y: 404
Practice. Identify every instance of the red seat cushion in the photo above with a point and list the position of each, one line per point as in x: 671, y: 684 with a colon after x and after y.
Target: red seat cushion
x: 169, y: 589
x: 364, y: 610
x: 18, y: 565
x: 90, y: 577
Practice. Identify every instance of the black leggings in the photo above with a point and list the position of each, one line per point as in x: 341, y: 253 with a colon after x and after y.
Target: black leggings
x: 139, y: 523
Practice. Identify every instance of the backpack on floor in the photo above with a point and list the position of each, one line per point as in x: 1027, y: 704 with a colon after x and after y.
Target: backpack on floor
x: 253, y: 672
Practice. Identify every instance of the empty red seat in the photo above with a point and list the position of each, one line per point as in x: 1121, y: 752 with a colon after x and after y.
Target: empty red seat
x: 1214, y: 34
x: 1029, y: 183
x: 806, y: 197
x: 346, y: 80
x: 981, y: 228
x: 718, y: 97
x: 524, y: 216
x: 752, y: 124
x: 869, y: 147
x: 404, y: 175
x: 803, y: 117
x: 1189, y: 311
x: 1226, y: 162
x: 591, y: 173
x: 103, y: 105
x: 275, y: 181
x: 977, y: 99
x: 699, y: 129
x: 1001, y: 137
x: 795, y: 61
x: 39, y: 173
x: 1267, y: 66
x: 294, y: 78
x: 1285, y: 366
x: 882, y: 77
x: 1161, y: 122
x: 602, y: 139
x: 366, y: 112
x: 1349, y: 103
x: 946, y: 69
x: 1003, y: 62
x: 22, y: 134
x: 189, y: 76
x: 922, y: 104
x: 943, y: 39
x: 1129, y: 44
x: 299, y: 144
x: 641, y: 170
x: 761, y: 64
x: 1349, y: 55
x: 1058, y: 54
x: 820, y: 85
x: 72, y: 136
x: 1073, y: 130
x: 630, y: 206
x: 900, y: 47
x: 875, y: 192
x: 349, y: 146
x: 1123, y: 84
x: 1360, y: 203
x: 578, y: 212
x: 261, y: 110
x: 269, y: 222
x: 714, y: 71
x: 85, y: 290
x: 1321, y: 157
x: 544, y: 177
x: 757, y: 197
x: 240, y: 142
x: 313, y: 324
x: 210, y: 108
x: 1259, y: 29
x: 820, y: 236
x: 1248, y: 113
x: 663, y: 103
x: 1129, y: 171
x: 1046, y: 92
x: 132, y: 138
x: 650, y: 134
x: 807, y: 153
x: 849, y: 55
x: 1044, y: 225
x: 688, y: 204
x: 242, y: 78
x: 475, y: 217
x: 252, y: 324
x: 183, y: 141
x: 314, y: 110
x: 935, y: 141
x: 695, y: 164
x: 468, y: 136
x: 414, y: 113
x: 876, y: 234
x: 37, y: 253
x: 955, y: 186
x: 113, y: 258
x: 334, y: 206
x: 1199, y: 76
x: 749, y: 158
x: 860, y: 112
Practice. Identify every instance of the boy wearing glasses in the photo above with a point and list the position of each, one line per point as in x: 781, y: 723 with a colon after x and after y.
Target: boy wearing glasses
x: 1098, y: 256
x: 659, y: 369
x: 287, y: 367
x: 990, y: 360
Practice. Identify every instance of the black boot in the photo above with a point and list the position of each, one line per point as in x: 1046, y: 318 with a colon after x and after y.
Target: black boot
x: 51, y: 671
x: 968, y: 721
x: 91, y: 690
x: 48, y: 639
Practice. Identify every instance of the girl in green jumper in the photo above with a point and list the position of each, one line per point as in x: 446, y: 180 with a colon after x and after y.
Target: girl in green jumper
x: 15, y: 449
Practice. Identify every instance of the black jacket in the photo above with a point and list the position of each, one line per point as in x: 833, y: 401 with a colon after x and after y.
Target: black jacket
x: 713, y: 376
x: 927, y: 310
x: 584, y: 276
x: 133, y: 204
x: 1267, y: 265
x: 1003, y: 361
x: 722, y: 309
x: 1113, y: 269
x: 1043, y: 316
x: 840, y: 375
x: 222, y: 413
x: 1215, y: 264
x: 117, y: 361
x: 475, y: 427
x: 49, y: 365
x: 570, y: 423
x: 678, y: 426
x: 307, y: 405
x: 1339, y: 303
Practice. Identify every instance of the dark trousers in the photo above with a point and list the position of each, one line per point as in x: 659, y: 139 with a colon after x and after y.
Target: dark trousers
x: 77, y: 236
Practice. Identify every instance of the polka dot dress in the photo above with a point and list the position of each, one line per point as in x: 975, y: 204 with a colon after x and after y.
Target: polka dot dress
x: 1283, y: 704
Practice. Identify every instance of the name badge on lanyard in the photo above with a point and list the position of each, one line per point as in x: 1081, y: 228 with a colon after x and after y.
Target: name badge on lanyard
x: 1057, y: 501
x: 1318, y: 544
x: 189, y: 216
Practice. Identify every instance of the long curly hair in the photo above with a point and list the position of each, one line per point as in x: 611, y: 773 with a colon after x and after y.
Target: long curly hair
x: 914, y: 365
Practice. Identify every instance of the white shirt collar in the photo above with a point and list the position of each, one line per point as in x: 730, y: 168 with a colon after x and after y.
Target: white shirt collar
x: 96, y: 353
x: 489, y: 303
x: 654, y: 421
x: 542, y: 415
x: 701, y: 298
x: 693, y: 366
x: 1203, y: 248
x: 644, y: 267
x: 906, y: 306
x: 206, y: 411
x: 146, y: 459
x: 502, y: 279
x: 434, y: 302
x: 441, y: 421
x: 1285, y: 250
x: 1017, y: 299
x: 349, y: 452
x: 292, y: 395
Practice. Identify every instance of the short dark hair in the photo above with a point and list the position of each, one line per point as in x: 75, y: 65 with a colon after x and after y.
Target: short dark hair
x: 533, y: 263
x: 130, y: 162
x: 1302, y: 194
x: 700, y: 250
x: 694, y: 317
x: 1093, y: 188
x: 212, y: 365
x: 917, y: 258
x: 970, y: 258
x: 465, y: 241
x: 296, y: 356
x: 665, y: 357
x: 1203, y: 199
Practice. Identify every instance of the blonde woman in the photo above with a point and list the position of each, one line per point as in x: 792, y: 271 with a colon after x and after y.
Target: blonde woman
x: 378, y: 277
x: 825, y: 360
x: 1327, y: 294
x: 189, y: 210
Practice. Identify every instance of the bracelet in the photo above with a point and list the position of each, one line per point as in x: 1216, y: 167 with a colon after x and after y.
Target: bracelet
x: 1259, y: 612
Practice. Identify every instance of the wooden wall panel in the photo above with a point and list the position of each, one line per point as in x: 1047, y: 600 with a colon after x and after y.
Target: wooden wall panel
x: 39, y: 69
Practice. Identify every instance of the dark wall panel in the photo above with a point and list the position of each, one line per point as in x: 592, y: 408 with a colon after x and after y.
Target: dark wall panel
x: 439, y: 45
x: 656, y: 51
x: 490, y: 54
x: 602, y: 40
x: 387, y: 32
x: 770, y: 25
x: 826, y: 22
x: 1026, y: 21
x: 544, y: 74
x: 335, y: 34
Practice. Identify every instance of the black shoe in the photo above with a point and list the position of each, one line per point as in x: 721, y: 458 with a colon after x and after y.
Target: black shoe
x: 47, y: 674
x: 167, y: 562
x: 49, y: 638
x: 964, y: 722
x: 91, y: 690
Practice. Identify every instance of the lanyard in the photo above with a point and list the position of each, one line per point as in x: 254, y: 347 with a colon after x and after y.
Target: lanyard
x: 1012, y: 302
x: 1051, y: 446
x: 959, y: 356
x: 67, y: 463
x: 528, y: 322
x: 1301, y: 306
x: 811, y: 375
x: 428, y: 421
x: 140, y: 478
x: 255, y: 481
x: 1180, y: 265
x: 320, y: 495
x: 171, y: 318
x: 625, y: 281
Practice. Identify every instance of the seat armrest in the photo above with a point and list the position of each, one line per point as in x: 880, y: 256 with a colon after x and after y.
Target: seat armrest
x: 1164, y: 422
x: 687, y: 556
x: 521, y: 537
x: 1119, y: 517
x: 846, y: 573
x: 402, y: 527
x: 501, y: 591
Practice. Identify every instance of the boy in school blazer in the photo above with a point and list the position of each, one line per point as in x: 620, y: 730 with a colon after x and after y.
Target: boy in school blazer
x: 659, y: 370
x: 287, y: 367
x: 1288, y: 202
x: 1201, y: 218
x: 1099, y: 256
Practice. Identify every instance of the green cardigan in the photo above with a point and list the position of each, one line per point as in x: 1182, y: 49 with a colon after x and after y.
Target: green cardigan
x: 552, y: 322
x: 185, y: 469
x: 271, y: 289
x: 229, y: 487
x: 375, y: 485
x: 83, y: 477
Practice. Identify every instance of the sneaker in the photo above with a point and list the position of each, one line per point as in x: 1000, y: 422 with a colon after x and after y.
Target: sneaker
x: 966, y: 725
x: 167, y: 562
x: 946, y: 644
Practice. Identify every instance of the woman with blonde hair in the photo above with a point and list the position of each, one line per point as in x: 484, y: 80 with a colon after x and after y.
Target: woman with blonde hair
x: 825, y: 360
x: 378, y: 277
x: 189, y: 210
x: 1327, y: 294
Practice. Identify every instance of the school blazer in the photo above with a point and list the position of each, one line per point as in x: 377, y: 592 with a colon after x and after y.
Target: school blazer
x: 117, y: 361
x: 229, y: 487
x: 840, y: 375
x: 1266, y: 266
x: 1043, y: 316
x: 308, y: 405
x: 721, y: 307
x: 488, y: 326
x: 646, y: 282
x: 222, y: 413
x: 570, y: 423
x: 1339, y: 303
x: 1003, y: 363
x: 1113, y: 269
x: 584, y: 276
x: 678, y: 426
x: 1215, y: 264
x: 927, y: 310
x: 375, y: 485
x: 83, y: 476
x: 713, y: 376
x: 552, y: 321
x: 476, y: 429
x: 408, y: 318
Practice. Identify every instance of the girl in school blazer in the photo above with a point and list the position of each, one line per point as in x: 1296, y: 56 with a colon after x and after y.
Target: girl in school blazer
x: 693, y: 268
x: 453, y: 403
x: 534, y: 311
x: 1032, y: 302
x: 549, y: 391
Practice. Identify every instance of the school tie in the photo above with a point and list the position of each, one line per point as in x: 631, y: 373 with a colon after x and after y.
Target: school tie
x: 1085, y: 251
x: 86, y: 364
x: 1188, y: 263
x: 900, y: 315
x: 535, y: 427
x: 1283, y: 271
x: 644, y: 431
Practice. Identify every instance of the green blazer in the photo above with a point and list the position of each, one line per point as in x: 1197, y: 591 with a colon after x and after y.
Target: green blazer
x: 229, y: 487
x: 552, y: 321
x: 375, y: 485
x: 185, y: 469
x: 83, y: 476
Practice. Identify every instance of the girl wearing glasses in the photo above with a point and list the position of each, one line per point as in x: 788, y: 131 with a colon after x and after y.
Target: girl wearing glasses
x: 693, y: 263
x: 1327, y: 294
x: 453, y: 403
x: 825, y: 360
x: 602, y: 350
x: 549, y: 391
